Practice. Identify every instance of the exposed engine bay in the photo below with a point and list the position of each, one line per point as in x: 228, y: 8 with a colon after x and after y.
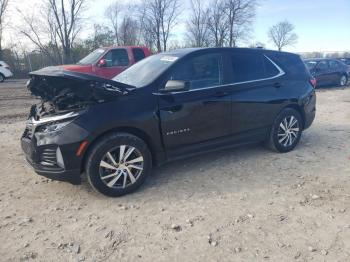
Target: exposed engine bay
x: 63, y: 91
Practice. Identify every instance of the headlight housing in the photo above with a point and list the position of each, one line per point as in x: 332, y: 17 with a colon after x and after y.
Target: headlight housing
x: 54, y: 123
x: 53, y: 126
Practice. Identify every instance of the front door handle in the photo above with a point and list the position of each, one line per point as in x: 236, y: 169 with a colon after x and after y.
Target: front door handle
x: 215, y: 98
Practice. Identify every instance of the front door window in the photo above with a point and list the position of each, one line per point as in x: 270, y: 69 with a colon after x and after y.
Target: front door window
x: 201, y: 72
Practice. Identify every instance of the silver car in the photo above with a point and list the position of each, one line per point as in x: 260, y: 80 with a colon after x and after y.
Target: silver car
x: 5, y: 71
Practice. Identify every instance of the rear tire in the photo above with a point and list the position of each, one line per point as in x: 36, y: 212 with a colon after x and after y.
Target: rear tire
x: 343, y: 80
x: 286, y: 131
x: 118, y: 164
x: 2, y: 78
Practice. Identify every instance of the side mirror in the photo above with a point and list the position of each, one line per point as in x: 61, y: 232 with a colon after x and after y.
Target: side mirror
x: 176, y: 85
x: 101, y: 63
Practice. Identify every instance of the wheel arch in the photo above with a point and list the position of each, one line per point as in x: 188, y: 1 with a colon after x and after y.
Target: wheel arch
x: 298, y: 109
x: 129, y: 130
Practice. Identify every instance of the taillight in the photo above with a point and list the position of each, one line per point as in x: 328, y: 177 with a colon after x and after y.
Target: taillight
x: 313, y: 82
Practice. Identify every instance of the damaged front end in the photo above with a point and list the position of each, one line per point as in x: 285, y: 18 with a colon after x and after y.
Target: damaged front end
x: 52, y: 140
x: 65, y: 91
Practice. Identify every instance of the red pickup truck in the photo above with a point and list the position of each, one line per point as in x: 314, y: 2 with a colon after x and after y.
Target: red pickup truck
x: 108, y: 62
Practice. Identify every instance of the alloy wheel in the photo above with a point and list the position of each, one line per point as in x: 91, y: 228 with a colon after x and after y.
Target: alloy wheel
x: 343, y: 80
x: 121, y: 166
x: 288, y: 131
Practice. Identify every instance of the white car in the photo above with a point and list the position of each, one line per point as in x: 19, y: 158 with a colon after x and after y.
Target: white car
x: 4, y: 71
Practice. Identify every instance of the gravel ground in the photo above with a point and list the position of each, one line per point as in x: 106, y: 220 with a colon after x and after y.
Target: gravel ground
x: 243, y: 204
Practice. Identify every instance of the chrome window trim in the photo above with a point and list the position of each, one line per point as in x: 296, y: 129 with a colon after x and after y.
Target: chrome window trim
x: 280, y: 73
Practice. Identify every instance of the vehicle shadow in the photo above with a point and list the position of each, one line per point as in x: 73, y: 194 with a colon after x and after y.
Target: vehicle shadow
x: 331, y: 88
x: 237, y: 170
x: 229, y: 170
x: 234, y: 170
x: 240, y: 169
x: 247, y: 168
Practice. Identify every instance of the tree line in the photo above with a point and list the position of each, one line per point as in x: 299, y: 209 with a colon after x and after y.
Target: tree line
x: 150, y: 22
x: 55, y: 27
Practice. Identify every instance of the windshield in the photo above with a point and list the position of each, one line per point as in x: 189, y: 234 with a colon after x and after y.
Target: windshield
x: 92, y: 57
x: 311, y: 64
x: 2, y: 63
x: 146, y: 71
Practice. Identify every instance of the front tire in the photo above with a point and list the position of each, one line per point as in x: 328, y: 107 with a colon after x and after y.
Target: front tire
x: 286, y: 131
x: 2, y: 78
x: 118, y: 164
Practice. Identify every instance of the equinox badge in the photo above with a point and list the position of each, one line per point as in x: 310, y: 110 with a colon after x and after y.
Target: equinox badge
x: 176, y: 132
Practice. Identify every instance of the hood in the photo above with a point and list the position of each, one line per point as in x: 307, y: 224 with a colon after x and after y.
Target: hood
x: 77, y: 68
x: 66, y: 90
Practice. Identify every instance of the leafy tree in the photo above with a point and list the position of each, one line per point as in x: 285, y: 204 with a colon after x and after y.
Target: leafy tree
x: 102, y: 36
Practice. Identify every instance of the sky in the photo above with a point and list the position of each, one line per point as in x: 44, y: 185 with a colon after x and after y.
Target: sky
x: 321, y: 25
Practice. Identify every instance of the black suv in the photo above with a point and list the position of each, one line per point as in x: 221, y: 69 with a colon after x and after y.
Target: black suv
x: 168, y: 106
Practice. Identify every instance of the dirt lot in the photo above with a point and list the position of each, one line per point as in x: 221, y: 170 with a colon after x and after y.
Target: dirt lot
x: 245, y: 204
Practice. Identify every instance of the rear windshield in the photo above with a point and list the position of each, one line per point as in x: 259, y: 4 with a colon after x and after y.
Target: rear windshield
x: 92, y: 57
x: 310, y: 64
x: 146, y: 71
x: 346, y: 60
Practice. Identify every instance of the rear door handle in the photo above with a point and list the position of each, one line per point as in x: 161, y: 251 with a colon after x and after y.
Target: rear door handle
x: 172, y: 109
x: 221, y: 94
x: 277, y: 85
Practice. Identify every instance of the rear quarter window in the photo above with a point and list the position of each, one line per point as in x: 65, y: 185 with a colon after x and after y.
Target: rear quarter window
x: 291, y: 64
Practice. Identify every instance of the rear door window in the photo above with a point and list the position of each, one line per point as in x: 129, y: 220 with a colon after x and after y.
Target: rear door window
x: 117, y: 57
x: 322, y: 66
x: 334, y: 65
x: 252, y: 67
x: 138, y: 54
x: 201, y: 71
